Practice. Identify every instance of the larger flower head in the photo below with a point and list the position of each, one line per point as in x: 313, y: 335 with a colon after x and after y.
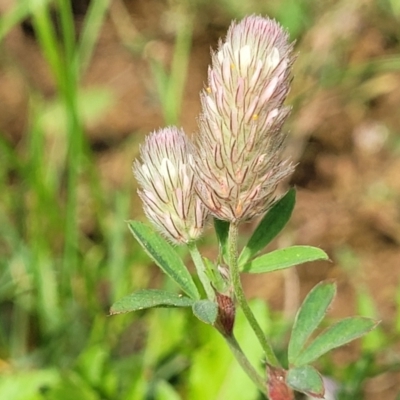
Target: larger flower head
x: 167, y: 185
x: 240, y: 140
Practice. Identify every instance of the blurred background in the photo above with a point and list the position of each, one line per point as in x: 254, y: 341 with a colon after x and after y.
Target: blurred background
x: 81, y: 83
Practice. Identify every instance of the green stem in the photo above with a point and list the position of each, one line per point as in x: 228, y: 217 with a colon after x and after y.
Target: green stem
x: 201, y: 270
x: 245, y: 363
x: 241, y: 299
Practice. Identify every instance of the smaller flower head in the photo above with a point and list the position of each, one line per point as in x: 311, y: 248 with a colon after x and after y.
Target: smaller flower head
x: 165, y: 175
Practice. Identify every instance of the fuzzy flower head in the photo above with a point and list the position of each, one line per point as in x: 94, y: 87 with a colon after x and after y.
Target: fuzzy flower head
x: 240, y: 140
x: 165, y: 175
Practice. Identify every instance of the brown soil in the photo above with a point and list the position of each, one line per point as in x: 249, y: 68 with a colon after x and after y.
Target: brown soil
x: 345, y: 138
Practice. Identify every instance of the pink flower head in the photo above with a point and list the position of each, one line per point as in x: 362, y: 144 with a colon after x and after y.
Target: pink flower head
x: 166, y: 177
x: 238, y: 163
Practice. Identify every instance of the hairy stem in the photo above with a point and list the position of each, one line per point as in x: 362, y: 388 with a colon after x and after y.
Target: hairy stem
x: 241, y: 299
x: 245, y: 363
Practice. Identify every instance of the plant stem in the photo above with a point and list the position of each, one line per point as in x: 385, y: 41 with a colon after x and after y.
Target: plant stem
x: 201, y: 270
x: 241, y: 299
x: 245, y: 363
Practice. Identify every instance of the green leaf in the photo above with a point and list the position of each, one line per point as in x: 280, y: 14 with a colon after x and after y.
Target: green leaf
x: 272, y: 223
x: 309, y: 316
x: 337, y: 335
x: 148, y: 298
x: 215, y: 276
x: 164, y: 255
x: 284, y: 258
x: 206, y: 311
x: 222, y: 231
x: 306, y: 379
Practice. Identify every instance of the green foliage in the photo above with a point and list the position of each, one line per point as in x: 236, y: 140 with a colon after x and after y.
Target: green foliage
x: 13, y: 17
x: 271, y: 224
x: 301, y: 376
x: 284, y: 258
x: 306, y: 379
x: 165, y: 391
x: 309, y: 317
x: 149, y: 298
x: 337, y: 335
x: 206, y: 311
x: 26, y: 386
x: 164, y: 256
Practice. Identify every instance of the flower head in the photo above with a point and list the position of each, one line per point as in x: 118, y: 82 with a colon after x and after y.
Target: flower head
x: 166, y: 177
x: 240, y: 141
